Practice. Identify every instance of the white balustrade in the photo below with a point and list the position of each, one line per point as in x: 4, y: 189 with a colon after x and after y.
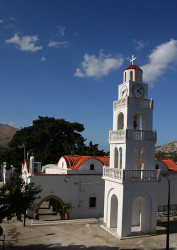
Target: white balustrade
x: 118, y: 135
x: 133, y: 102
x: 140, y: 135
x: 132, y: 134
x: 113, y: 173
x: 123, y: 175
x: 120, y: 103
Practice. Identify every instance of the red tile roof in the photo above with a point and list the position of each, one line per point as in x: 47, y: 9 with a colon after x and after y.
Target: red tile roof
x: 171, y: 165
x: 133, y: 67
x: 75, y: 161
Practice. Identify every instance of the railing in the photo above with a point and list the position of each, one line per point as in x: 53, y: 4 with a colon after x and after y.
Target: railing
x: 133, y: 102
x: 140, y: 135
x: 120, y: 103
x: 112, y: 173
x: 132, y: 134
x: 118, y: 135
x: 122, y: 175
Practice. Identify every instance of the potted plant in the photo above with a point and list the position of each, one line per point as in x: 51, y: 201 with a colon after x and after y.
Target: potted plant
x: 35, y: 214
x: 65, y: 210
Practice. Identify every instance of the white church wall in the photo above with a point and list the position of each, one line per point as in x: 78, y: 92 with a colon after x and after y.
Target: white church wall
x: 162, y: 191
x: 98, y: 166
x: 75, y: 190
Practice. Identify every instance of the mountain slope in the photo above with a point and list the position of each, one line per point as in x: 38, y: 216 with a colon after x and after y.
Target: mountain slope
x: 167, y: 148
x: 6, y: 134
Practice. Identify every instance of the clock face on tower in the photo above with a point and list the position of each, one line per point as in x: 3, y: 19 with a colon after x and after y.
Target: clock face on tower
x: 124, y: 91
x: 138, y: 91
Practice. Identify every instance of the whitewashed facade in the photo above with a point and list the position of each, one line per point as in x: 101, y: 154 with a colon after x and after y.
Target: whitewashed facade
x: 131, y: 181
x: 74, y: 179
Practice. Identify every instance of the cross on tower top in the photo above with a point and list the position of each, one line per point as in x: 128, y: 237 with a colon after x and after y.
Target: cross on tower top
x: 133, y: 59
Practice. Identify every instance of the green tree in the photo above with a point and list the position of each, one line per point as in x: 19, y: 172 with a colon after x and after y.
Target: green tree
x: 16, y: 198
x: 49, y: 138
x: 92, y: 150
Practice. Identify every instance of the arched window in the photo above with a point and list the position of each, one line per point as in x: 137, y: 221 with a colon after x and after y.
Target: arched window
x: 138, y: 122
x: 156, y: 166
x: 120, y: 121
x: 131, y: 75
x: 125, y: 77
x: 120, y: 158
x: 115, y: 158
x: 91, y: 166
x: 135, y: 159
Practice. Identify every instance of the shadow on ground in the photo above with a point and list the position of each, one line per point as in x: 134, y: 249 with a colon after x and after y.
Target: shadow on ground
x: 163, y: 227
x: 70, y: 247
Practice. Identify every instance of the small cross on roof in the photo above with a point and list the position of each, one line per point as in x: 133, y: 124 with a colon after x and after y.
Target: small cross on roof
x: 133, y: 59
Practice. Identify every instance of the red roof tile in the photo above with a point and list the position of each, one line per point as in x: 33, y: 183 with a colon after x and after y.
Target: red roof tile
x: 133, y: 67
x: 171, y: 165
x: 75, y: 161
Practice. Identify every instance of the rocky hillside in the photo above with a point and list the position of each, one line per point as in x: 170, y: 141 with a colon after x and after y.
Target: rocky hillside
x: 6, y: 134
x: 170, y: 147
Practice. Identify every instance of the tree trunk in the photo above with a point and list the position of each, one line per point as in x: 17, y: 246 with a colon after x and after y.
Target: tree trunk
x: 24, y: 220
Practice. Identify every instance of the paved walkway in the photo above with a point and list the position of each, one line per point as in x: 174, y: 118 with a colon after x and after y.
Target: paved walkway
x: 80, y: 234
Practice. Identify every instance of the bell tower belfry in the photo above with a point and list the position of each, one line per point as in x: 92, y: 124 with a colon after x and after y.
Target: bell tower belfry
x: 130, y: 182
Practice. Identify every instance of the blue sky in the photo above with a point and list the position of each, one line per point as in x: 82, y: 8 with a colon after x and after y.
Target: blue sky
x: 65, y: 58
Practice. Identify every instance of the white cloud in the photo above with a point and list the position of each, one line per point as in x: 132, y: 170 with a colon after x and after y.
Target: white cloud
x: 43, y: 59
x: 1, y: 21
x: 25, y: 43
x: 98, y: 66
x: 61, y: 30
x: 58, y: 44
x: 160, y: 60
x: 139, y: 44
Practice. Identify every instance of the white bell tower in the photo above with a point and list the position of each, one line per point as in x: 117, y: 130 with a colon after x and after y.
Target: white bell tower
x: 130, y: 182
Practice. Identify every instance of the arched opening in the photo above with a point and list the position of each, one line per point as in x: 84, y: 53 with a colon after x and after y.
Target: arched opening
x: 115, y: 158
x: 125, y: 77
x: 120, y: 158
x: 131, y: 75
x: 138, y: 121
x: 91, y: 166
x: 143, y: 159
x: 140, y: 216
x: 135, y: 159
x: 114, y: 211
x: 50, y: 208
x: 120, y: 124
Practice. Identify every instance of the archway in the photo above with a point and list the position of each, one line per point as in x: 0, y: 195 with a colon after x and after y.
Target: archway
x: 136, y: 165
x: 138, y: 121
x: 114, y: 211
x: 120, y: 158
x: 49, y: 208
x: 120, y: 123
x: 115, y: 158
x: 140, y: 215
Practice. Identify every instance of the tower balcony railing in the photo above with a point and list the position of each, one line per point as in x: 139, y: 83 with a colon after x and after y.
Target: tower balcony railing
x: 122, y: 175
x: 132, y: 134
x: 133, y: 102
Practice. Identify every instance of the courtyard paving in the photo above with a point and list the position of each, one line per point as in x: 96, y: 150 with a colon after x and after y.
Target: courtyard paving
x: 79, y: 234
